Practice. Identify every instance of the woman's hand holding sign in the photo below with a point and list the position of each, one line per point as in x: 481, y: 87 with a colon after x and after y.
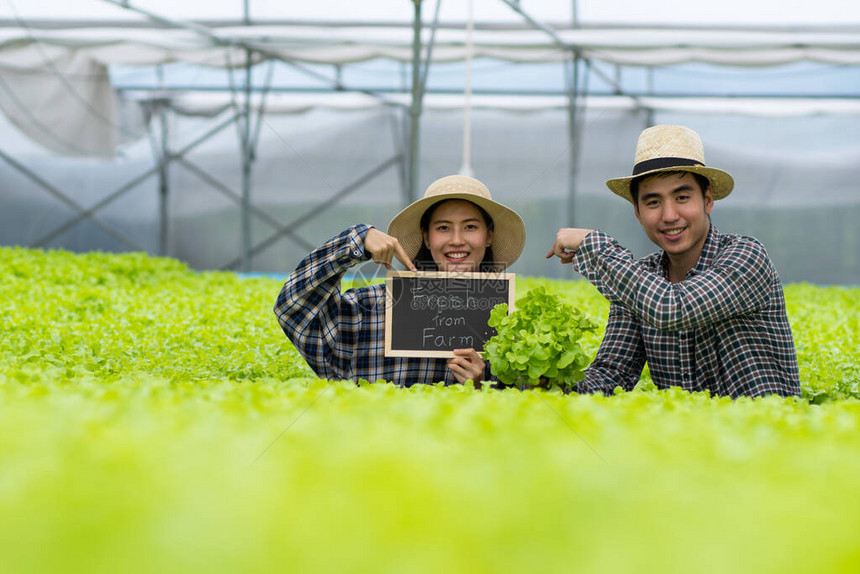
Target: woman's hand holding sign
x: 466, y: 364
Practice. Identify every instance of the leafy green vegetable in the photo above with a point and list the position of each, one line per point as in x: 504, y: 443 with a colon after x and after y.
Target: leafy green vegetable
x: 539, y: 343
x: 154, y: 418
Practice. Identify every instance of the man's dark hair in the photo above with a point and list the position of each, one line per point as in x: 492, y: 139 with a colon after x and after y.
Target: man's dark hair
x: 703, y: 182
x: 424, y: 259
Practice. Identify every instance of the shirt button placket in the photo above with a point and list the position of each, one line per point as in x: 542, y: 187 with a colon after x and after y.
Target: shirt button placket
x: 685, y: 359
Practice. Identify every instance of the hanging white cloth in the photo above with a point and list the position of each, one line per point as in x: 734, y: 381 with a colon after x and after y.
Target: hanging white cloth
x: 61, y: 99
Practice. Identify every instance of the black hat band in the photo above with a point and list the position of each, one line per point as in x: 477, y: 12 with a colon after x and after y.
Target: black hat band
x: 664, y: 162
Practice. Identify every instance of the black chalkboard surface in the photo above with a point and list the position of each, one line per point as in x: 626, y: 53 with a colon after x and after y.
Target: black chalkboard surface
x: 429, y: 314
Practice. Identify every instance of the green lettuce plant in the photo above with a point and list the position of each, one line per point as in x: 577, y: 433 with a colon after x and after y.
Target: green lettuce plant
x: 111, y: 316
x: 539, y: 343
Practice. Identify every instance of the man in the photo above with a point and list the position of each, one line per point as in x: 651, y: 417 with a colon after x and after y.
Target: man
x: 707, y: 312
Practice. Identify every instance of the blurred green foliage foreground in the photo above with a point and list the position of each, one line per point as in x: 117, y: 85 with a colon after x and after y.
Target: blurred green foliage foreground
x: 154, y: 419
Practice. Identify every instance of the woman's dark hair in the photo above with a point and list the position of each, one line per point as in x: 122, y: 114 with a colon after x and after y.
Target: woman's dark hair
x: 704, y: 182
x: 424, y: 259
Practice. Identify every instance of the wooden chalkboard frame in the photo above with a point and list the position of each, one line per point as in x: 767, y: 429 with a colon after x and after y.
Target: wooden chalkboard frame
x: 448, y: 280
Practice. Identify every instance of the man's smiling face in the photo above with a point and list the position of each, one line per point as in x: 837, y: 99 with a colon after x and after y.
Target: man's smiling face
x: 674, y: 213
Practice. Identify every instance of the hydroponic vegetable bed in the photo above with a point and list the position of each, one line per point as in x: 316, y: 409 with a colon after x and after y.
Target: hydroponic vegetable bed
x: 156, y: 419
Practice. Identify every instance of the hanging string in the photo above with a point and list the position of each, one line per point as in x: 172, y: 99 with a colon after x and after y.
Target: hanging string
x: 466, y: 167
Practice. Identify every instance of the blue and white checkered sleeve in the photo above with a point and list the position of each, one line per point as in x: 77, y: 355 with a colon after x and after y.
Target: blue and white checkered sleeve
x: 737, y: 282
x: 310, y: 308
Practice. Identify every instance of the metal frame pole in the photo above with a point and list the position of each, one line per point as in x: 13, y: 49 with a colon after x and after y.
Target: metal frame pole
x: 247, y: 157
x: 163, y: 186
x: 415, y: 109
x: 89, y: 212
x: 572, y: 128
x: 318, y: 210
x: 161, y: 151
x: 403, y: 124
x: 86, y: 214
x: 258, y: 48
x: 219, y: 186
x: 247, y: 161
x: 649, y: 89
x: 247, y: 135
x: 572, y: 77
x: 399, y: 143
x: 515, y: 6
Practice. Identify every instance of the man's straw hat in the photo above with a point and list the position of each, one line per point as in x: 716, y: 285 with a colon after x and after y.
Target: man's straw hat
x: 672, y: 148
x: 509, y: 235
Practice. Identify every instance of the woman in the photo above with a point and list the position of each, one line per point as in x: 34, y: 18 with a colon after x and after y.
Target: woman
x: 456, y: 226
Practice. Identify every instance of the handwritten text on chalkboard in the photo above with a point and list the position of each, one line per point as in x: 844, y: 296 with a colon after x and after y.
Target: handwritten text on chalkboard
x: 429, y: 314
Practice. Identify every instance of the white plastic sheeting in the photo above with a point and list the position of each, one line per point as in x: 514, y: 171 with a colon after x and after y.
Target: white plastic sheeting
x: 62, y: 99
x: 345, y: 45
x: 55, y: 85
x: 212, y: 104
x: 684, y: 12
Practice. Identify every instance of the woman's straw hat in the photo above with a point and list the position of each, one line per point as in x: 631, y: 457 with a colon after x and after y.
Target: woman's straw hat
x: 672, y: 148
x: 509, y: 235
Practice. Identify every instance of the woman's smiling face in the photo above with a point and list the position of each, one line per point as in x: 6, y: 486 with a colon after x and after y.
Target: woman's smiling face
x: 457, y: 236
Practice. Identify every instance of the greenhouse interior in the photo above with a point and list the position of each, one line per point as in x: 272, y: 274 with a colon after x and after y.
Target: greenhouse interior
x: 167, y: 165
x: 241, y: 136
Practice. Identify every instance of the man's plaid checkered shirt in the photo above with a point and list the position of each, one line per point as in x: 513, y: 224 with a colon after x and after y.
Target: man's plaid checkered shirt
x: 723, y: 329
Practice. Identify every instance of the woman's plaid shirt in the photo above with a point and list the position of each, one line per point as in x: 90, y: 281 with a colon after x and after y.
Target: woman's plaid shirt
x: 342, y: 335
x: 723, y: 329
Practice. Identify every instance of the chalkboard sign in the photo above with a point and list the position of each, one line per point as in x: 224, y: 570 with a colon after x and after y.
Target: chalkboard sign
x: 429, y: 314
